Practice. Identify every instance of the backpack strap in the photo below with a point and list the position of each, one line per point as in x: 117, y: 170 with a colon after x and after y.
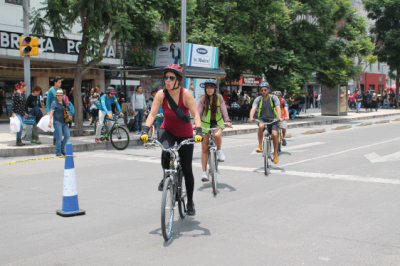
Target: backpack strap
x: 177, y: 110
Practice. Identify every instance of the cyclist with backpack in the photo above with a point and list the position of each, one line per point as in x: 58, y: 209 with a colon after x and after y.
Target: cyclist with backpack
x: 268, y: 107
x: 176, y: 103
x: 105, y: 109
x: 212, y: 111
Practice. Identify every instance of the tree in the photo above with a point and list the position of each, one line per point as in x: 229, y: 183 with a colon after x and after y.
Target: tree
x: 101, y: 20
x: 287, y: 41
x: 386, y: 14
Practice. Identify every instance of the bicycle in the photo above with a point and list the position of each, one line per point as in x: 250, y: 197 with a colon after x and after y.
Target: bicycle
x: 174, y: 191
x: 212, y: 157
x: 266, y: 145
x: 118, y: 135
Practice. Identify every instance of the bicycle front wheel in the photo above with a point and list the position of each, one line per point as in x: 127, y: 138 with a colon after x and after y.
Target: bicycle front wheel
x: 167, y: 209
x: 213, y: 172
x: 119, y: 138
x: 182, y: 195
x: 266, y: 155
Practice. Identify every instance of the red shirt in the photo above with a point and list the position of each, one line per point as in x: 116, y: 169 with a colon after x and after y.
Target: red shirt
x: 225, y: 98
x: 172, y: 123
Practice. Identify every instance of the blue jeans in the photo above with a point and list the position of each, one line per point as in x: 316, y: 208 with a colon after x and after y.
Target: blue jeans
x: 302, y: 107
x: 139, y: 119
x: 386, y: 101
x: 21, y: 120
x: 358, y: 106
x: 294, y: 113
x: 157, y: 123
x: 59, y: 130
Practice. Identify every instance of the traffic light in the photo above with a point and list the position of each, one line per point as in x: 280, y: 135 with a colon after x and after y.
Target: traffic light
x: 28, y: 46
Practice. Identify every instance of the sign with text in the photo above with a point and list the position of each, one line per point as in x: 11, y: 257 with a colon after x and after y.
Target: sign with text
x: 196, y: 55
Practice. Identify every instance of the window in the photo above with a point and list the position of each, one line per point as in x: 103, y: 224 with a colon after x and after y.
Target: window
x: 15, y: 2
x: 380, y: 89
x: 372, y: 87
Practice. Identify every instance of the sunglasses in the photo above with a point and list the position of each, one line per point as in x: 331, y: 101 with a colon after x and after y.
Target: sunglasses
x: 264, y: 90
x: 171, y: 78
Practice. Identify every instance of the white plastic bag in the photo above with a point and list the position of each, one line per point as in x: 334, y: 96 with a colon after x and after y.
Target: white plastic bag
x: 15, y: 125
x: 44, y: 124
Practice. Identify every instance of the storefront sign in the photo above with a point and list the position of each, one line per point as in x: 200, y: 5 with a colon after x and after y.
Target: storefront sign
x: 10, y: 40
x: 247, y: 81
x: 196, y: 55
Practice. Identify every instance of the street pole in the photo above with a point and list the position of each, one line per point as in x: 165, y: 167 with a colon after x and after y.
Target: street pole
x: 27, y: 59
x: 123, y: 64
x: 183, y: 41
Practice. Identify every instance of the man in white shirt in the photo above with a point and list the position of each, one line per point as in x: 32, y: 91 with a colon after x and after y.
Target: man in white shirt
x: 138, y: 101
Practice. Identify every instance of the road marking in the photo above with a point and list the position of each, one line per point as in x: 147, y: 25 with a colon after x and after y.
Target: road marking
x: 375, y: 158
x: 258, y: 170
x: 340, y: 152
x: 291, y: 148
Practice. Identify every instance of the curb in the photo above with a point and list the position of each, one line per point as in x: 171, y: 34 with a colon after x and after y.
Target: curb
x: 382, y: 122
x: 342, y: 127
x: 365, y: 124
x: 314, y: 131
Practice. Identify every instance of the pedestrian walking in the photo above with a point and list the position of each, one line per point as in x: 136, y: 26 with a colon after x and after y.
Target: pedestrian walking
x: 359, y: 99
x: 138, y: 101
x: 51, y: 97
x: 18, y: 107
x: 33, y: 102
x: 57, y: 110
x: 319, y: 100
x: 94, y: 109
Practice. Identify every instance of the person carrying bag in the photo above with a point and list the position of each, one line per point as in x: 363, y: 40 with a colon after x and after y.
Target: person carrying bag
x: 35, y: 113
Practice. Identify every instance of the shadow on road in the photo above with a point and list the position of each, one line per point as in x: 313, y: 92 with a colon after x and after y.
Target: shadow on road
x: 220, y: 186
x: 181, y: 227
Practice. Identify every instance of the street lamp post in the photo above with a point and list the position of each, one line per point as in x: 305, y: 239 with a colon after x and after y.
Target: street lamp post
x: 183, y: 41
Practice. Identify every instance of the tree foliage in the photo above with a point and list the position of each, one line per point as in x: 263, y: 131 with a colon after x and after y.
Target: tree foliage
x: 386, y: 14
x: 133, y: 21
x: 289, y: 41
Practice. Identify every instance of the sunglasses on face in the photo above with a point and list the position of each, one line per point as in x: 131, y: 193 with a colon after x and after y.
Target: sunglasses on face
x: 264, y: 90
x: 171, y: 78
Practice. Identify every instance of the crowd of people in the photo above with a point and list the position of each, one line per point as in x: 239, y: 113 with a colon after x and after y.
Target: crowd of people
x: 371, y: 100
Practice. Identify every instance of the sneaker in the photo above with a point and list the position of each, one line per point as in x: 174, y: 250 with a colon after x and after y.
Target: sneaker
x: 60, y: 155
x: 137, y: 133
x: 190, y: 208
x: 33, y: 141
x: 221, y: 156
x: 283, y: 142
x: 259, y: 148
x: 276, y: 158
x: 108, y: 139
x: 96, y: 140
x: 161, y: 185
x: 204, y: 177
x: 63, y: 153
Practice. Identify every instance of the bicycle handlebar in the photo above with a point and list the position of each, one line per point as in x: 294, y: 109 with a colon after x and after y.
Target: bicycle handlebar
x: 173, y: 149
x: 265, y: 123
x: 216, y: 128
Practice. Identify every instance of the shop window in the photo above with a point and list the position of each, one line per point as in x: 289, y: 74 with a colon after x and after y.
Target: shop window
x: 15, y: 2
x: 380, y: 89
x: 372, y: 87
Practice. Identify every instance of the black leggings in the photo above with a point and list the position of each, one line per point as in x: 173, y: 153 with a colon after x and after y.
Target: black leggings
x: 186, y: 156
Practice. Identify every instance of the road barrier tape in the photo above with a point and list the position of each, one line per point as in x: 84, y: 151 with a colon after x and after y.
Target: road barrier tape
x: 37, y: 159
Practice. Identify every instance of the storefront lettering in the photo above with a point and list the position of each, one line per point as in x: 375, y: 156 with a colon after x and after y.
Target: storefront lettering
x: 10, y: 40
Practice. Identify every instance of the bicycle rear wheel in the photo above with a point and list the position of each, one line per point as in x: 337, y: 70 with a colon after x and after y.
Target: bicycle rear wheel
x: 182, y: 195
x: 167, y: 209
x: 213, y: 172
x: 119, y: 138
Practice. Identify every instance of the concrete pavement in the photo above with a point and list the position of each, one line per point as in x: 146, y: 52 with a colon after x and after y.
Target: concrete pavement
x: 313, y: 117
x: 327, y: 202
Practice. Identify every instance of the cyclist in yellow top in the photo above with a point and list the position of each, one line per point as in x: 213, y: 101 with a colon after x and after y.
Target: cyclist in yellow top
x: 212, y: 111
x: 268, y: 107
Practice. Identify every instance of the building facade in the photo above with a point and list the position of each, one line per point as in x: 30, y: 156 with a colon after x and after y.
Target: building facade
x: 58, y: 58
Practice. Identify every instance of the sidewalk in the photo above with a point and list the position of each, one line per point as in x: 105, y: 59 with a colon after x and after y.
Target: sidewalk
x: 313, y: 117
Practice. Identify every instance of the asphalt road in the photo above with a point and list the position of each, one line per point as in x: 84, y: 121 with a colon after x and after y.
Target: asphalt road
x: 331, y: 200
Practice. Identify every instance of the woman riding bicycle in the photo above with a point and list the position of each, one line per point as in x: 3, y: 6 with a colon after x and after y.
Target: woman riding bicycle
x: 176, y: 103
x: 212, y: 110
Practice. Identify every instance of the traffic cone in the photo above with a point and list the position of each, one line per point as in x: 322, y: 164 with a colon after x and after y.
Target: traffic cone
x: 70, y: 206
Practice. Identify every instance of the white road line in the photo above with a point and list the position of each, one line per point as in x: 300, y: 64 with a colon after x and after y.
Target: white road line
x: 293, y: 148
x: 375, y: 158
x: 258, y: 170
x: 340, y: 152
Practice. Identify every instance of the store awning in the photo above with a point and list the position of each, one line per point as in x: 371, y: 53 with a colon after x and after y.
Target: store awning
x: 129, y: 82
x: 190, y: 72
